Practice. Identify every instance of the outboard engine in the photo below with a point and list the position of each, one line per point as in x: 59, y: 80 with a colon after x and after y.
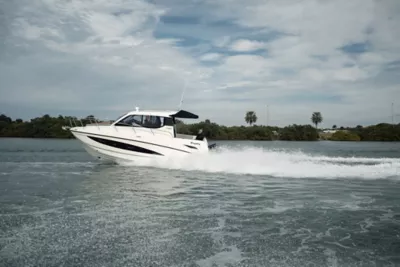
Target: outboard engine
x: 200, y: 137
x: 212, y: 146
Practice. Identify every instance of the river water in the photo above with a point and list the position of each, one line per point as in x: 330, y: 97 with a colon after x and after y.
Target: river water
x: 246, y: 204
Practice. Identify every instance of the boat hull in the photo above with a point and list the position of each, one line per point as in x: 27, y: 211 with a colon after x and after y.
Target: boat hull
x: 111, y: 157
x: 114, y: 148
x: 100, y: 155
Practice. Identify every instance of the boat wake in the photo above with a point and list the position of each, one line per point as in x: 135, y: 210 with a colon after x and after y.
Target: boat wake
x: 280, y: 163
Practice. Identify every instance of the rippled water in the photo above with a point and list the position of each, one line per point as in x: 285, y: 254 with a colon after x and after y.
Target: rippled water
x: 247, y: 204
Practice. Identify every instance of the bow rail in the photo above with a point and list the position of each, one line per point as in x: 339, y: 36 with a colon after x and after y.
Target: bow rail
x: 89, y: 121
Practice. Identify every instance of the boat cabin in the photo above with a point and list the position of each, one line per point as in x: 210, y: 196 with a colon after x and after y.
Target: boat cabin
x: 163, y: 120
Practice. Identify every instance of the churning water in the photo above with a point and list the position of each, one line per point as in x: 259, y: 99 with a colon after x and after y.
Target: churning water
x: 246, y: 204
x: 278, y: 162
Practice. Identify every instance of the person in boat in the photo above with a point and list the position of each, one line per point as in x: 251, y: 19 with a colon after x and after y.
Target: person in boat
x: 200, y: 135
x: 157, y: 123
x: 147, y: 122
x: 152, y: 122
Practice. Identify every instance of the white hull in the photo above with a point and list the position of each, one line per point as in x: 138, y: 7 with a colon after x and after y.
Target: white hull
x: 111, y: 144
x: 108, y: 156
x: 99, y: 154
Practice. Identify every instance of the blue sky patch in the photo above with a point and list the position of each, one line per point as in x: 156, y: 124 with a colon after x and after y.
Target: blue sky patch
x: 198, y: 30
x: 179, y: 20
x: 393, y: 65
x: 228, y: 52
x: 356, y: 48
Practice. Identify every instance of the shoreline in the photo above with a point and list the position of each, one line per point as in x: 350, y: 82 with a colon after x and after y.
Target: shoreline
x: 47, y: 127
x: 230, y: 140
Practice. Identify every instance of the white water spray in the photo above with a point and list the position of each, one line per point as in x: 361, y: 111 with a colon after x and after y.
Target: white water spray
x: 280, y: 163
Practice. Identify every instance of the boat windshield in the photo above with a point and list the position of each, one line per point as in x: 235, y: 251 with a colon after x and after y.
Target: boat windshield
x: 119, y: 117
x: 147, y: 121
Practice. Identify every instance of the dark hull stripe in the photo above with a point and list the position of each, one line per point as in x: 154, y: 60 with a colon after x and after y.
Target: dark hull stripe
x: 126, y: 139
x: 96, y: 148
x: 124, y: 146
x: 192, y: 147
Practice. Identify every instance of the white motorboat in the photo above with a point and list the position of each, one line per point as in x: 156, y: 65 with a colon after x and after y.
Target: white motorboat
x: 141, y: 134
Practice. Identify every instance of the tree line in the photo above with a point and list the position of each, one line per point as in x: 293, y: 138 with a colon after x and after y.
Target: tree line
x: 52, y: 127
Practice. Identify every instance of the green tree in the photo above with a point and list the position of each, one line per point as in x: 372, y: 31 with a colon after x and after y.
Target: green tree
x: 52, y: 127
x: 250, y: 117
x: 334, y: 126
x: 316, y: 118
x: 4, y: 118
x: 298, y: 133
x: 344, y: 136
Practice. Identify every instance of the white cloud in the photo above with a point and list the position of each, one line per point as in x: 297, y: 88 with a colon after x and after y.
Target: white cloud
x: 115, y: 48
x: 170, y: 41
x: 243, y: 45
x: 211, y: 57
x: 350, y: 74
x: 60, y: 54
x: 245, y: 66
x: 315, y: 29
x: 240, y: 84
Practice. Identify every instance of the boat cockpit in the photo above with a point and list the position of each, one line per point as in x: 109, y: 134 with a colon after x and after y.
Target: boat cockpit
x: 161, y: 120
x: 147, y: 121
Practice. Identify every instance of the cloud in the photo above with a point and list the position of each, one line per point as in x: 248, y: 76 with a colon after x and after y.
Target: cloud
x: 103, y: 52
x: 101, y: 57
x: 246, y: 45
x: 210, y: 57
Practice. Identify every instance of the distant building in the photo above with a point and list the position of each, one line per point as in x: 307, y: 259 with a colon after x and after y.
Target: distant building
x: 329, y: 131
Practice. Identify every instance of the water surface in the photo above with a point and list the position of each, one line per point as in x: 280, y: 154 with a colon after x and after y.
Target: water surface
x: 247, y: 204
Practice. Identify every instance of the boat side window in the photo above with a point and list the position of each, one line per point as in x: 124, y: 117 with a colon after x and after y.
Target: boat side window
x: 153, y: 121
x: 168, y: 121
x: 146, y: 121
x: 131, y: 120
x: 171, y: 122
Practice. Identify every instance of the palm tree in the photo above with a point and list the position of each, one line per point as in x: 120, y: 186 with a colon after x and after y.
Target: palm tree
x: 316, y: 118
x: 251, y: 117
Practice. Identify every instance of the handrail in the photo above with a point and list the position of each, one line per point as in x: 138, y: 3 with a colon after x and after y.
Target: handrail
x: 75, y: 122
x: 169, y: 134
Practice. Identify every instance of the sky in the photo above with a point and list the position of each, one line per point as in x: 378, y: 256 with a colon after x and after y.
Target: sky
x: 100, y: 57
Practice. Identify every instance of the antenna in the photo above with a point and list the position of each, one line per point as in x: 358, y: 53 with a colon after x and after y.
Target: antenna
x: 183, y: 94
x: 267, y: 115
